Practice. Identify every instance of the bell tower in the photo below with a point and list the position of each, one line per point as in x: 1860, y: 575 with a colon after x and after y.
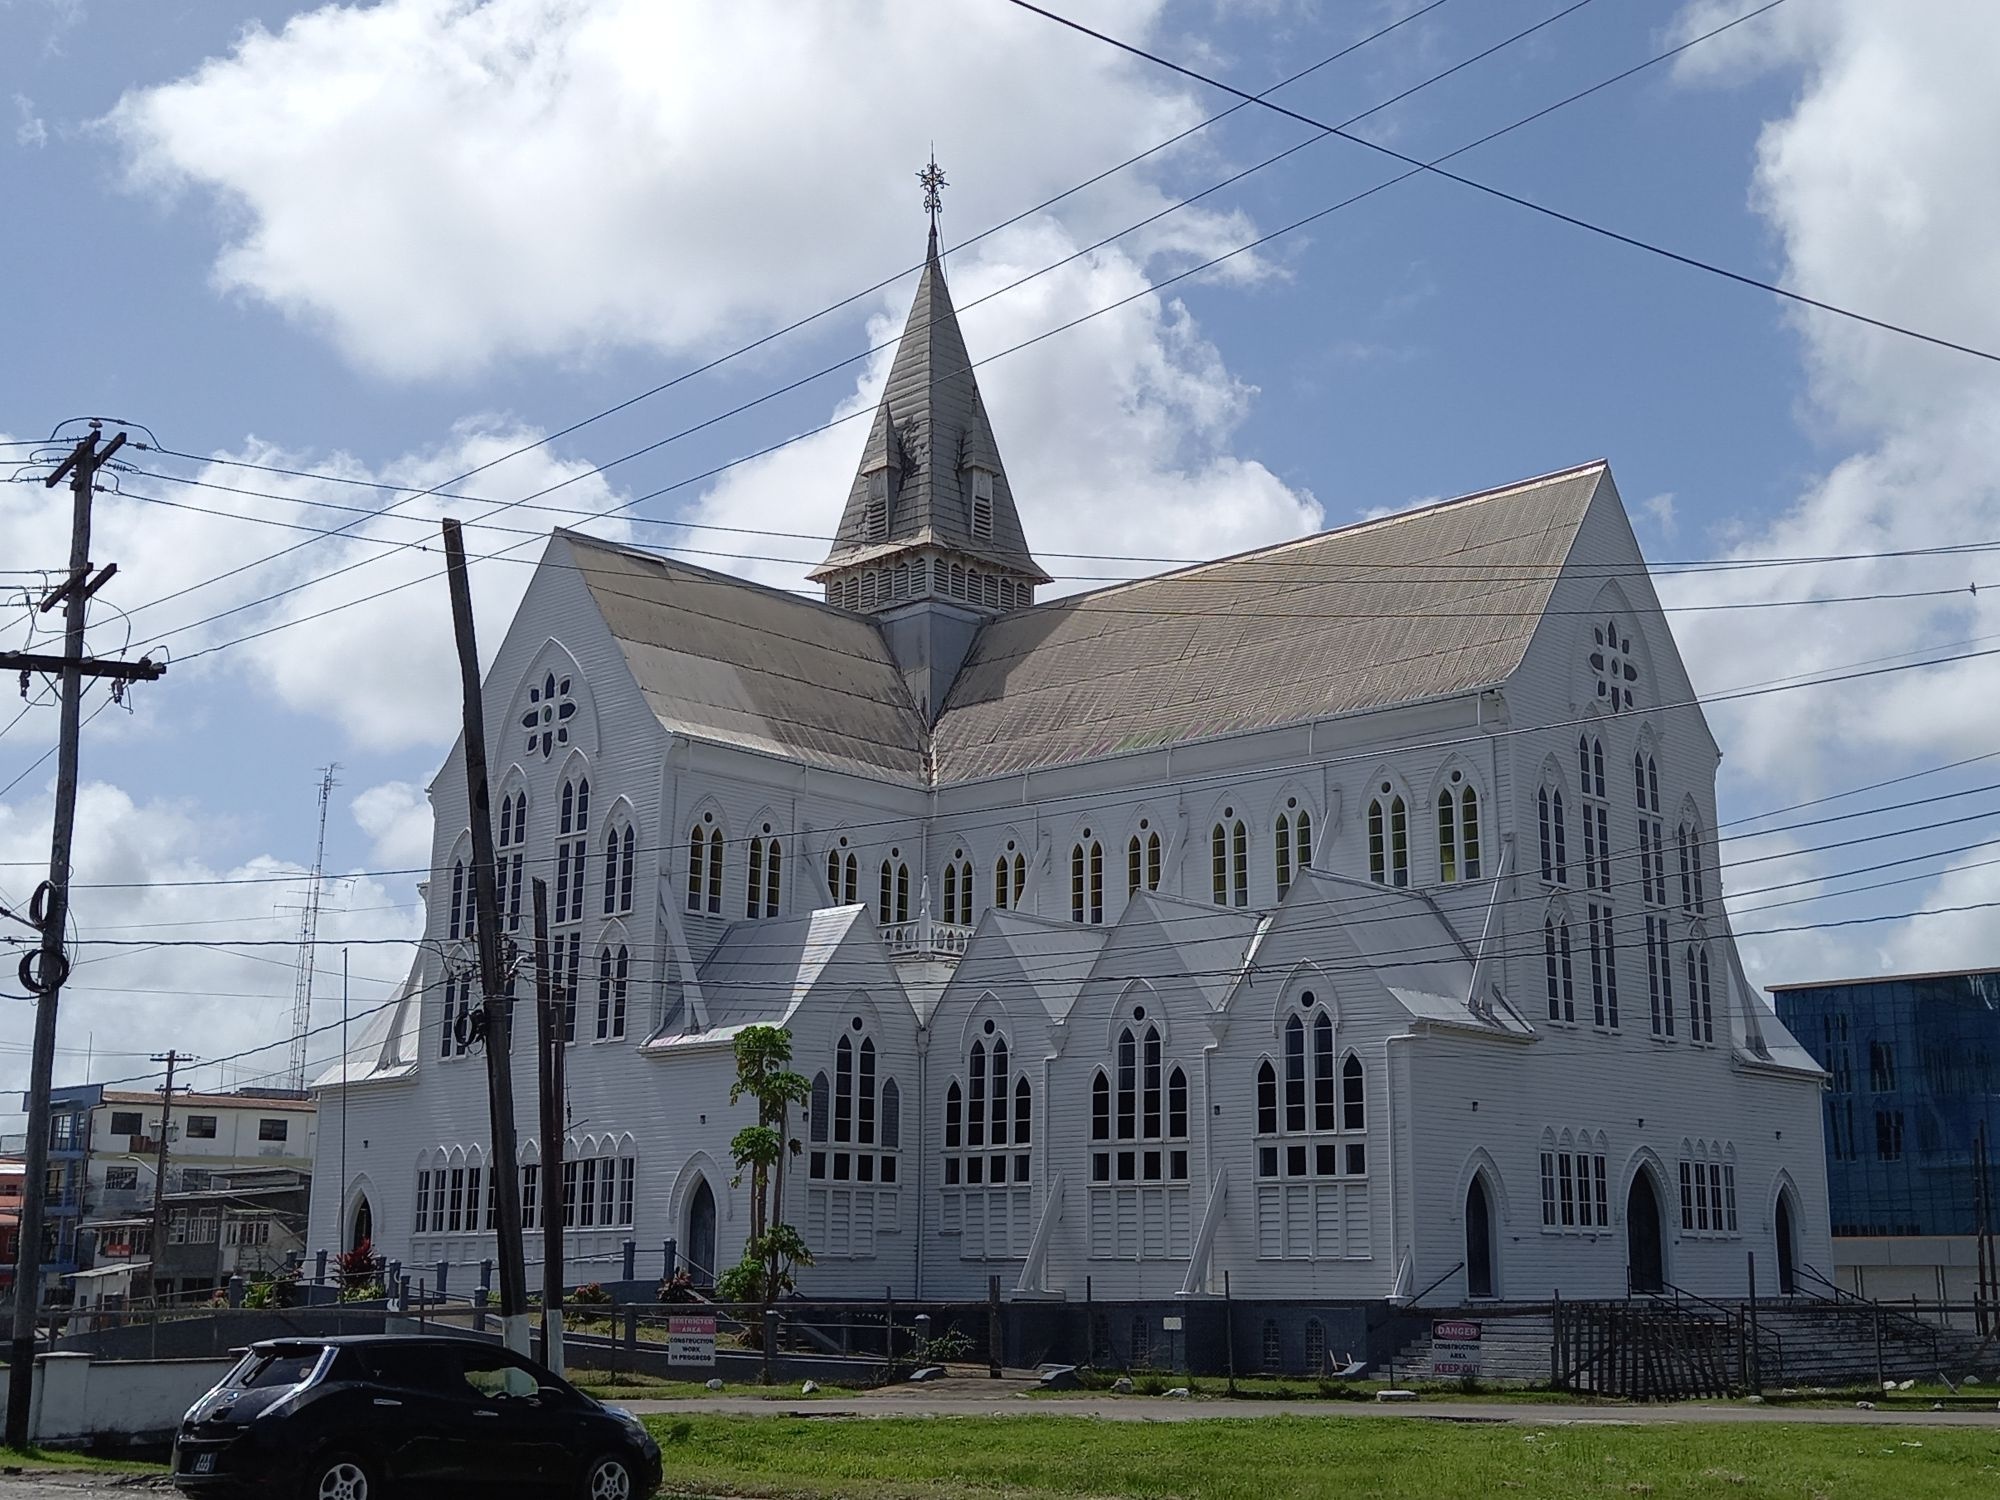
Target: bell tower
x: 930, y: 544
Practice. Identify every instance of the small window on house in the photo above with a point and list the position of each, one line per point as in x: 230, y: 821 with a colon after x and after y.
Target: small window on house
x: 127, y: 1122
x: 273, y: 1130
x: 982, y: 503
x: 201, y: 1127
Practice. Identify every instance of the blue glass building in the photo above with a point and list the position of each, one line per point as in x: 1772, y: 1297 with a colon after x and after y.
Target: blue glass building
x: 1913, y: 1063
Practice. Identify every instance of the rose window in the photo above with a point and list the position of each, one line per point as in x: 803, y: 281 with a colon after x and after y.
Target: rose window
x: 549, y: 712
x: 1614, y: 665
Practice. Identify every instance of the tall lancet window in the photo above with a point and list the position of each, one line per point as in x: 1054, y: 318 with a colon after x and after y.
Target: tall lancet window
x: 704, y: 871
x: 1293, y: 843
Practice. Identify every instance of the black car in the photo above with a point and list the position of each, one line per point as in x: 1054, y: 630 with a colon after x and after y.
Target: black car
x: 364, y: 1416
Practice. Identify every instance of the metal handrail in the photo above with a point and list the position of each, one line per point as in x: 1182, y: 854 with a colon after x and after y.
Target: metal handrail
x: 1435, y: 1285
x: 1842, y: 1295
x: 1736, y: 1315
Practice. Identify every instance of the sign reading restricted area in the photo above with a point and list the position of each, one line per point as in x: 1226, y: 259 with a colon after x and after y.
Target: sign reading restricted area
x: 1454, y: 1349
x: 691, y: 1339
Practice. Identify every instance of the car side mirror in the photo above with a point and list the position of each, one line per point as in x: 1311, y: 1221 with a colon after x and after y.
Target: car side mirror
x: 553, y: 1393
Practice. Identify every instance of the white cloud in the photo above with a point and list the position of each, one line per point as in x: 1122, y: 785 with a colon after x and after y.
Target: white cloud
x: 1864, y: 181
x: 1661, y: 509
x: 125, y: 1002
x: 29, y: 127
x: 396, y: 815
x: 385, y: 670
x: 439, y: 183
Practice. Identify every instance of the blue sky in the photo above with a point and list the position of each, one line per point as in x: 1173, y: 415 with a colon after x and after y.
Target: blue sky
x: 384, y: 239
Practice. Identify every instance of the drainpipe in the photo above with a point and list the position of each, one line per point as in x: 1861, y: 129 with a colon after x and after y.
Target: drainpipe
x: 1208, y: 1127
x: 923, y: 1151
x: 1395, y: 1202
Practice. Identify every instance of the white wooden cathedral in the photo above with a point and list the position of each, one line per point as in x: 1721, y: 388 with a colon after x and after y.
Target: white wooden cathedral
x: 1343, y: 916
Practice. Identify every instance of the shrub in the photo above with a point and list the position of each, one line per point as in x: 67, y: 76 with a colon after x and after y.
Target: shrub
x: 590, y: 1294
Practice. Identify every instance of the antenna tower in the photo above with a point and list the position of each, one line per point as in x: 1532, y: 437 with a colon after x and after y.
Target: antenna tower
x: 295, y: 1076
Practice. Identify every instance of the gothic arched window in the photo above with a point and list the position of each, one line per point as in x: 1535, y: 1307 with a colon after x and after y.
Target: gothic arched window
x: 1555, y: 835
x: 894, y: 905
x: 1388, y: 839
x: 1229, y: 858
x: 704, y: 867
x: 843, y: 877
x: 1457, y: 830
x: 1291, y: 845
x: 1086, y: 882
x: 1560, y: 980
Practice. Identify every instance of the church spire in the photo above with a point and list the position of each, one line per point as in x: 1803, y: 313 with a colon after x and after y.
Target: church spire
x: 930, y: 515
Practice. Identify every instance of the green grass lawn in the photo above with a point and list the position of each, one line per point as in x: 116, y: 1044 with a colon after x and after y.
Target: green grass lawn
x: 58, y: 1458
x: 1282, y: 1457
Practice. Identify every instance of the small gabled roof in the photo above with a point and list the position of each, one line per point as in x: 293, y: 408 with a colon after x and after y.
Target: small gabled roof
x: 760, y: 972
x: 929, y: 431
x: 1426, y: 604
x: 385, y: 1046
x: 1015, y: 954
x: 1213, y: 945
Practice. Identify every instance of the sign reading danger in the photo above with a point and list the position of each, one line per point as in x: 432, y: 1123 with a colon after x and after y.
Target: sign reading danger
x: 1454, y: 1348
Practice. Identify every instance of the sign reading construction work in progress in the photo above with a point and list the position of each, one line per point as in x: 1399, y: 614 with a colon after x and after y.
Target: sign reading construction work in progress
x: 691, y: 1339
x: 1454, y: 1349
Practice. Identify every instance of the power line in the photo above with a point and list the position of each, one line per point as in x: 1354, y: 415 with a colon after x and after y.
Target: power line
x: 1151, y: 290
x: 1135, y: 795
x: 844, y: 302
x: 1713, y: 269
x: 1500, y: 585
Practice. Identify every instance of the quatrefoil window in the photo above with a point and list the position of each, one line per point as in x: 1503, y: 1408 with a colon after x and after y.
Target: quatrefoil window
x: 1614, y: 665
x: 549, y: 712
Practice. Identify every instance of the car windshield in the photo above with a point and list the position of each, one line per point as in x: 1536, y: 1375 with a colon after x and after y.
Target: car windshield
x: 261, y: 1369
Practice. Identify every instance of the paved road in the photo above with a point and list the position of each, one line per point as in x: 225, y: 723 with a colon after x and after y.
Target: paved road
x: 1009, y: 1398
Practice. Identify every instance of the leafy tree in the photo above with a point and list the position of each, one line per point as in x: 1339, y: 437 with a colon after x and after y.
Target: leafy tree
x: 774, y: 1248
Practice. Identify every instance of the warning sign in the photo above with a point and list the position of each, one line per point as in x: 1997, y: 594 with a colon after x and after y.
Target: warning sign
x: 1454, y: 1349
x: 691, y: 1339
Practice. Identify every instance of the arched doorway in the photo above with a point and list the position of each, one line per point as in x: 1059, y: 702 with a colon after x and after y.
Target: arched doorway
x: 362, y: 1230
x: 1787, y: 1248
x: 701, y: 1234
x: 1478, y: 1240
x: 1645, y: 1257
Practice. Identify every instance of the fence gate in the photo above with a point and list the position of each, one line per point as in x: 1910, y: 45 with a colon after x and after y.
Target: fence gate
x: 1644, y: 1351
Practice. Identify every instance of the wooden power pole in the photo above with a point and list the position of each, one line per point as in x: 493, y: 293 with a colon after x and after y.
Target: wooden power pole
x: 44, y: 969
x: 551, y: 1059
x: 173, y: 1060
x: 496, y: 1011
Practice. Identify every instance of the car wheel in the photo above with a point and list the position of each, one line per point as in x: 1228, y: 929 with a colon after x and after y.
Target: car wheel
x: 341, y: 1476
x: 610, y: 1477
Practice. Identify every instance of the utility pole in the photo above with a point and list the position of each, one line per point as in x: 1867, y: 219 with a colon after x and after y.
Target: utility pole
x: 172, y: 1060
x: 44, y: 970
x: 496, y: 1018
x: 550, y: 1003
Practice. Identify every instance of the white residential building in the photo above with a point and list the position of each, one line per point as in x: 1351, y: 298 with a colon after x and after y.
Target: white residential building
x: 1342, y: 916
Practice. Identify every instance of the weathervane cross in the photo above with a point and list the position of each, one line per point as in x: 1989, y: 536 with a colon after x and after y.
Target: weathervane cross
x: 932, y: 178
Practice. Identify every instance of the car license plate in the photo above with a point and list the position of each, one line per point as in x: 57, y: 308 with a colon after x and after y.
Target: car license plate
x: 204, y: 1463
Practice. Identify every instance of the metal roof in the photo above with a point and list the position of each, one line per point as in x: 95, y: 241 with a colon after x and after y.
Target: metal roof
x: 721, y: 659
x: 1426, y: 604
x: 929, y: 432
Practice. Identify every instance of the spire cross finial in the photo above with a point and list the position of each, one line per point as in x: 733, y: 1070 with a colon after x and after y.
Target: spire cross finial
x: 932, y: 178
